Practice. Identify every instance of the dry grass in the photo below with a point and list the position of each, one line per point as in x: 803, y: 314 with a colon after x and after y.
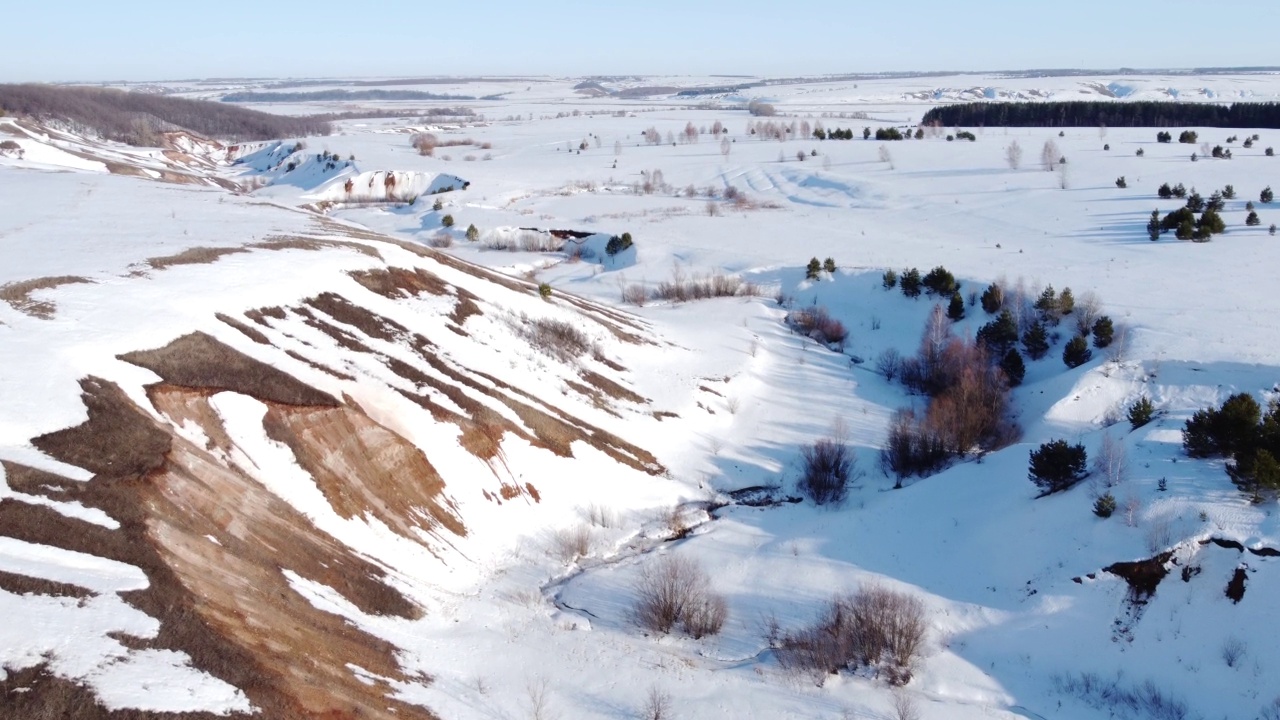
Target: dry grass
x: 611, y: 388
x: 201, y: 361
x: 396, y: 282
x: 18, y: 294
x: 193, y: 256
x: 249, y: 332
x: 569, y: 544
x: 556, y: 338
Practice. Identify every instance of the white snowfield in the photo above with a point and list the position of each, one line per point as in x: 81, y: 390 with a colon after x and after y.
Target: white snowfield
x: 516, y: 622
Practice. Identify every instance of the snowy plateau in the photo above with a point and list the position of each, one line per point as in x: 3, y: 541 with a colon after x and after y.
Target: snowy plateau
x: 393, y: 423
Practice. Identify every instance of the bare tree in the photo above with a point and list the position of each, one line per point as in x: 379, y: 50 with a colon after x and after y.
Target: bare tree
x: 677, y: 590
x: 657, y: 706
x: 725, y: 147
x: 1087, y: 309
x: 690, y: 133
x: 885, y: 156
x: 805, y: 130
x: 1111, y: 464
x: 904, y: 706
x: 717, y: 127
x: 538, y: 692
x: 1013, y: 155
x: 1049, y: 155
x: 617, y: 147
x: 1063, y: 181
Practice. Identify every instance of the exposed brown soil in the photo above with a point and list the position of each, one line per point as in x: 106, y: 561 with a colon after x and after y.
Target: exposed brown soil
x: 1143, y: 576
x: 1235, y: 586
x: 215, y: 600
x: 201, y: 361
x: 18, y: 294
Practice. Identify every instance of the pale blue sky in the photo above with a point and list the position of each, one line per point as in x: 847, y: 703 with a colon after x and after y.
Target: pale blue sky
x: 147, y: 40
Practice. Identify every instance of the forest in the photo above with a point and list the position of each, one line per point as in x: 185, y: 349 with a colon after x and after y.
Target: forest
x: 1112, y: 114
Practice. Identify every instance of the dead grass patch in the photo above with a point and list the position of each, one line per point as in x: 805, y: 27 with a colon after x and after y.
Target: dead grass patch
x: 296, y: 242
x: 611, y: 388
x: 18, y: 294
x: 26, y: 585
x: 396, y: 282
x: 193, y: 256
x: 245, y: 330
x: 200, y: 361
x: 348, y: 313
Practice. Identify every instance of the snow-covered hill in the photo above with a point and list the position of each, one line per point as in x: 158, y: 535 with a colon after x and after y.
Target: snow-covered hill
x: 301, y: 452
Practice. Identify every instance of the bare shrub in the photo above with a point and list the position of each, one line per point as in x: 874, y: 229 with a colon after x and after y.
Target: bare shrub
x: 538, y: 695
x: 569, y: 544
x: 817, y: 323
x: 441, y: 240
x: 875, y: 628
x: 556, y: 338
x: 912, y: 448
x: 635, y: 294
x: 676, y: 590
x: 1159, y: 535
x: 828, y: 465
x: 1233, y: 649
x: 904, y: 707
x: 681, y: 288
x: 889, y: 364
x: 601, y: 516
x: 425, y: 143
x: 657, y: 706
x: 1143, y: 700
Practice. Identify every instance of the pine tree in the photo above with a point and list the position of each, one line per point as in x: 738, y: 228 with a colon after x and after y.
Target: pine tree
x: 1266, y: 195
x: 910, y: 282
x: 1036, y: 341
x: 1066, y: 302
x: 1000, y: 334
x: 1195, y: 203
x: 1165, y: 192
x: 955, y: 310
x: 993, y: 299
x: 814, y: 267
x: 1229, y: 192
x: 1252, y: 219
x: 1056, y: 466
x: 473, y: 234
x: 889, y: 279
x: 1103, y: 332
x: 829, y: 265
x: 1141, y: 412
x: 1014, y: 369
x: 1153, y: 226
x: 1211, y: 223
x: 1047, y: 304
x: 1077, y: 352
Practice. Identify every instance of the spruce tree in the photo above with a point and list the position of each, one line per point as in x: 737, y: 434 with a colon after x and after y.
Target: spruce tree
x: 1266, y: 195
x: 1000, y: 334
x: 993, y: 299
x: 889, y: 279
x: 1036, y: 341
x: 1013, y: 367
x: 1066, y: 302
x: 910, y: 282
x: 955, y: 310
x: 1103, y: 332
x: 814, y: 267
x: 1141, y: 412
x: 1105, y: 505
x: 1153, y: 226
x: 1077, y: 352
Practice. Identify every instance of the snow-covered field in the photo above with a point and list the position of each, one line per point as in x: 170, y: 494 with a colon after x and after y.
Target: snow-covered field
x: 516, y: 622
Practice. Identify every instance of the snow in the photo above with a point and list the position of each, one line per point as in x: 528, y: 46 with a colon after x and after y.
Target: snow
x: 1013, y: 585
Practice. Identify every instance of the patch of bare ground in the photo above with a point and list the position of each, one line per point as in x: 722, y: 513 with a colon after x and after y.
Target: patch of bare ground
x: 224, y: 601
x: 611, y: 388
x: 35, y: 693
x: 245, y: 330
x: 396, y: 282
x: 465, y: 307
x: 26, y: 585
x: 352, y: 315
x: 260, y: 315
x: 317, y: 365
x: 363, y: 468
x: 193, y: 256
x: 200, y: 361
x: 18, y: 294
x: 295, y: 242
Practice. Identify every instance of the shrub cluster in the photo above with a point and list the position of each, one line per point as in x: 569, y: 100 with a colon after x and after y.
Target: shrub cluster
x: 817, y: 323
x: 874, y: 628
x: 676, y: 591
x: 828, y: 465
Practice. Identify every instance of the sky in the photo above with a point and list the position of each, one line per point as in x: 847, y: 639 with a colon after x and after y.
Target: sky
x: 90, y: 40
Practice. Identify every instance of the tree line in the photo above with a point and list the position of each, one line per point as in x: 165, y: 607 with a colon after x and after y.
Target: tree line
x: 137, y: 118
x: 1113, y: 114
